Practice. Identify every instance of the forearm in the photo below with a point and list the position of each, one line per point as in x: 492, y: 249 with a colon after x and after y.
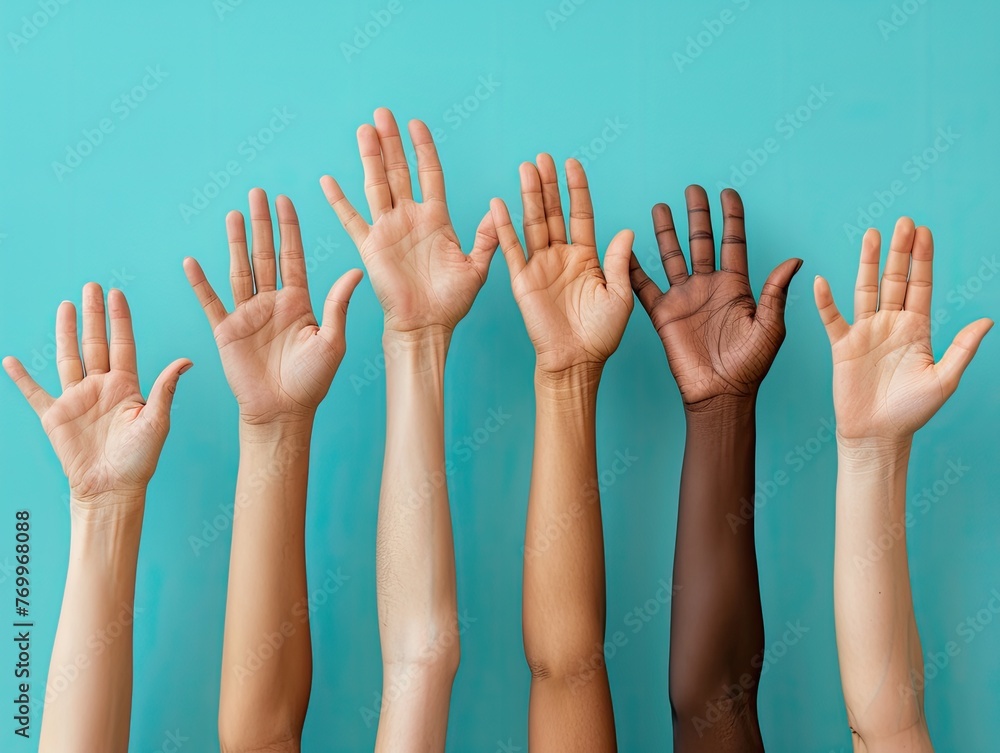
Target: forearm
x: 877, y: 640
x: 716, y: 632
x: 88, y: 700
x: 267, y: 655
x: 415, y: 563
x: 564, y: 582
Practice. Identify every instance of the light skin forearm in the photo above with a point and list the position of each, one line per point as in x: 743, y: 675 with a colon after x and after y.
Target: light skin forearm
x: 564, y: 585
x: 267, y: 654
x: 880, y: 655
x: 717, y: 631
x: 90, y: 710
x: 415, y: 564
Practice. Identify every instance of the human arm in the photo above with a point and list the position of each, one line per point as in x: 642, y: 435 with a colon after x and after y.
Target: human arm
x: 720, y: 344
x: 108, y: 440
x: 886, y: 386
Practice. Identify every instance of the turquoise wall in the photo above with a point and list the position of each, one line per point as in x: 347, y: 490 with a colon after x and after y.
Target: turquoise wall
x: 819, y: 113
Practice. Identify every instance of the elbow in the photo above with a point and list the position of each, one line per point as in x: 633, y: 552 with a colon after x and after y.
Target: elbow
x: 572, y: 665
x: 432, y: 650
x: 701, y: 704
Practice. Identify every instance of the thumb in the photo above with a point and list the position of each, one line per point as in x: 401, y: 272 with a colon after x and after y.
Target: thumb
x: 335, y: 308
x: 161, y: 396
x: 485, y: 244
x: 960, y: 353
x: 771, y: 307
x: 616, y: 264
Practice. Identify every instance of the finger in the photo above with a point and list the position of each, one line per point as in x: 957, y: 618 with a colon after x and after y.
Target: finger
x: 485, y: 245
x: 670, y: 248
x: 353, y: 223
x: 37, y: 398
x: 429, y: 172
x: 536, y: 231
x: 122, y: 348
x: 700, y: 238
x: 209, y: 301
x: 617, y: 261
x: 264, y: 272
x: 290, y: 256
x: 376, y: 183
x: 866, y: 288
x: 393, y: 157
x: 771, y: 307
x: 581, y: 208
x: 161, y: 396
x: 67, y: 346
x: 892, y: 292
x: 960, y: 354
x: 921, y: 281
x: 513, y: 252
x: 554, y: 220
x: 335, y: 308
x: 733, y: 251
x: 95, y: 330
x: 836, y: 326
x: 240, y: 276
x: 645, y: 289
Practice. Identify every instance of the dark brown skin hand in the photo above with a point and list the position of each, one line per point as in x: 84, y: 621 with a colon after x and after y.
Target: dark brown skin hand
x: 719, y: 341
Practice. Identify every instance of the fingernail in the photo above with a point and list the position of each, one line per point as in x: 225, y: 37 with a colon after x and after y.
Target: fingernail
x: 185, y: 368
x: 798, y: 266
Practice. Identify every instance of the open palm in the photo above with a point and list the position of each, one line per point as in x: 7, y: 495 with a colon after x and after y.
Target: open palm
x: 885, y: 382
x: 278, y: 360
x: 106, y: 436
x: 574, y: 314
x: 419, y: 272
x: 719, y: 341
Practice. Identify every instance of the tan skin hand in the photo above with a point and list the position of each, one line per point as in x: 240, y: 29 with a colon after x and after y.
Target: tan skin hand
x: 574, y: 311
x: 106, y: 436
x: 719, y: 341
x: 886, y: 384
x: 421, y: 276
x: 278, y: 360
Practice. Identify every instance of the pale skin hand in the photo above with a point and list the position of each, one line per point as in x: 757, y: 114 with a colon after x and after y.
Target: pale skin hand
x: 719, y: 342
x: 421, y: 276
x: 108, y: 440
x: 426, y: 284
x: 575, y: 314
x: 279, y: 362
x: 886, y: 385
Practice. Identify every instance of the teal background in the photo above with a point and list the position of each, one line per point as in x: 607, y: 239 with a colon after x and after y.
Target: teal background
x: 563, y: 72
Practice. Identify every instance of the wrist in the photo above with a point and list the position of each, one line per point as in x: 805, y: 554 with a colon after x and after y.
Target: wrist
x: 428, y: 337
x: 276, y: 431
x: 722, y: 410
x: 882, y: 454
x: 115, y: 514
x: 423, y: 351
x: 574, y: 388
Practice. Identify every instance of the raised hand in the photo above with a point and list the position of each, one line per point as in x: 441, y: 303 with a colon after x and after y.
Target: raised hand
x: 421, y: 276
x: 574, y: 311
x: 106, y: 436
x: 719, y: 341
x: 886, y: 384
x: 279, y: 361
